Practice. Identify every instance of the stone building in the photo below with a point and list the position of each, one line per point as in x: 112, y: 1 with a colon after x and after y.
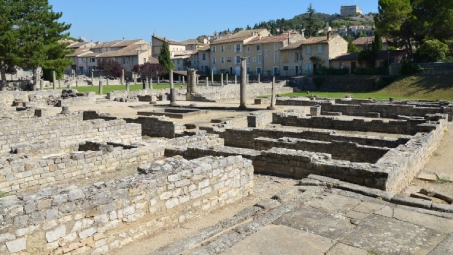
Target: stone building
x: 263, y: 53
x: 226, y: 51
x: 350, y: 10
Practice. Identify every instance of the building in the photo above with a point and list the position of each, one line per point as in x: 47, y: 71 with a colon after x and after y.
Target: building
x: 226, y: 51
x: 308, y: 55
x: 350, y: 10
x: 363, y: 43
x: 263, y: 53
x: 127, y: 53
x: 349, y: 60
x: 173, y: 46
x: 203, y: 57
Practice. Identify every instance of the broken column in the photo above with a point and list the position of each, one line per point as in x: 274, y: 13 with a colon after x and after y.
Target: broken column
x: 172, y: 90
x: 150, y: 84
x: 41, y: 84
x: 127, y: 85
x: 259, y: 77
x: 272, y: 106
x: 135, y: 77
x: 243, y: 99
x: 207, y: 82
x: 221, y: 79
x: 183, y: 80
x: 92, y: 78
x: 191, y: 83
x: 100, y: 87
x: 227, y: 78
x: 54, y: 77
x: 235, y: 79
x: 122, y: 76
x: 212, y: 77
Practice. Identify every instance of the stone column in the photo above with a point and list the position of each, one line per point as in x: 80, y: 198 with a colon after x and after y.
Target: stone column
x: 146, y: 83
x: 259, y: 77
x: 158, y: 80
x: 207, y: 82
x: 69, y: 84
x: 127, y: 86
x: 212, y: 77
x: 172, y: 90
x: 54, y: 77
x: 151, y: 83
x: 272, y: 107
x: 100, y: 87
x: 243, y: 99
x: 191, y: 80
x: 196, y: 78
x: 221, y: 79
x: 59, y: 83
x: 122, y: 76
x: 135, y: 77
x: 183, y: 80
x: 107, y: 81
x: 227, y: 78
x: 77, y: 83
x: 92, y: 78
x: 41, y: 84
x: 235, y: 79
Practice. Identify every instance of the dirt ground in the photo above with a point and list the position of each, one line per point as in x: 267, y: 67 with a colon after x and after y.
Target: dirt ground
x: 441, y: 162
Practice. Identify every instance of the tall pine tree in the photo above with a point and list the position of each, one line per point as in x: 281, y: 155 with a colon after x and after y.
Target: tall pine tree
x: 310, y: 29
x: 164, y: 58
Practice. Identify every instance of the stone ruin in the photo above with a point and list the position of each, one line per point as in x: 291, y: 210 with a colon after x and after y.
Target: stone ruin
x: 88, y: 182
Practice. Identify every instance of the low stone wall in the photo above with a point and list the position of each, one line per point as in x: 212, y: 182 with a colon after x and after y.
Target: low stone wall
x: 339, y: 150
x: 362, y: 107
x: 408, y: 127
x: 142, y: 92
x: 98, y: 130
x: 245, y: 137
x: 258, y: 119
x: 202, y: 140
x: 99, y: 218
x: 44, y: 98
x: 160, y: 126
x: 7, y: 124
x: 22, y: 174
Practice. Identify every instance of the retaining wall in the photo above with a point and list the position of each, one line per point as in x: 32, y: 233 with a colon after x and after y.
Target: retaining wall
x: 43, y: 98
x: 99, y: 218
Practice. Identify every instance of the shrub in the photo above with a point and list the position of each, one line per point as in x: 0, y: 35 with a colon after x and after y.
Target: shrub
x: 408, y: 67
x: 319, y: 81
x: 371, y: 71
x: 332, y: 71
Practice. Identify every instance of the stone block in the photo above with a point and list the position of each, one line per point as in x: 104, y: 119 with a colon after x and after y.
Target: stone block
x: 17, y: 245
x: 55, y: 234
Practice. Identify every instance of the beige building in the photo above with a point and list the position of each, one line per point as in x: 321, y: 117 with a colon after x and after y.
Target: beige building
x: 363, y: 43
x: 350, y: 10
x: 308, y: 55
x: 202, y: 56
x: 263, y: 53
x: 226, y: 51
x: 127, y: 53
x: 173, y: 46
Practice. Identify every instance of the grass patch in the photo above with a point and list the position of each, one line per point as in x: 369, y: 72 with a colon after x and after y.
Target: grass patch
x: 441, y: 180
x: 110, y: 88
x: 3, y: 194
x: 408, y: 87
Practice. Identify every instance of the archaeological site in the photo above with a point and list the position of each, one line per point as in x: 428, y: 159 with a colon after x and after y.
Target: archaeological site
x: 225, y: 168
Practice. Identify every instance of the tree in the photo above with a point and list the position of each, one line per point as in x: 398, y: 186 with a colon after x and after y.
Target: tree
x: 164, y: 58
x: 433, y: 19
x: 9, y: 55
x: 377, y: 42
x: 432, y: 51
x: 110, y: 67
x: 367, y: 57
x: 352, y: 48
x: 395, y: 20
x: 310, y: 28
x: 149, y: 70
x: 39, y: 36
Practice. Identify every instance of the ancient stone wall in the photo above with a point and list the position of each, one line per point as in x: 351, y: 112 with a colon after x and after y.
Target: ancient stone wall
x: 202, y: 140
x: 101, y: 217
x: 44, y: 97
x: 37, y: 122
x: 408, y: 127
x: 108, y: 131
x: 258, y: 119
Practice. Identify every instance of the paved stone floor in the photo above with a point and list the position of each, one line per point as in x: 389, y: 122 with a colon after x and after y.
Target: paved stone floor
x: 322, y: 220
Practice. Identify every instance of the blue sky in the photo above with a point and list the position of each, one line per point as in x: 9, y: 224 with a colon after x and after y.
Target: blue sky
x: 107, y: 20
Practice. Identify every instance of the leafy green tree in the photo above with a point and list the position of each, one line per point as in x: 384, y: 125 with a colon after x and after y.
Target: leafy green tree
x: 310, y: 28
x: 164, y: 58
x: 367, y: 57
x: 39, y: 37
x: 352, y: 48
x: 432, y: 51
x: 377, y: 42
x: 433, y: 19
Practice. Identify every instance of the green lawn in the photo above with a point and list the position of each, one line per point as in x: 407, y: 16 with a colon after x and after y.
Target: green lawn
x: 109, y: 88
x: 374, y: 95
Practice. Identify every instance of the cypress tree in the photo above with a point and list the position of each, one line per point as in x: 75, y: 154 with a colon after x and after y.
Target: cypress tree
x: 164, y: 58
x: 377, y: 43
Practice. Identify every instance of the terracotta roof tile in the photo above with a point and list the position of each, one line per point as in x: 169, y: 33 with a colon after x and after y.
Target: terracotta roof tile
x: 366, y: 40
x: 269, y: 39
x: 239, y: 36
x: 308, y: 41
x: 168, y: 40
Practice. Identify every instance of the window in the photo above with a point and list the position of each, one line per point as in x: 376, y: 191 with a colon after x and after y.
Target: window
x: 341, y: 65
x: 297, y: 56
x: 228, y: 59
x: 308, y: 50
x: 258, y: 47
x: 204, y: 56
x: 237, y: 48
x: 92, y: 60
x: 237, y: 59
x: 222, y: 48
x: 213, y: 48
x: 248, y: 48
x: 275, y: 57
x: 308, y: 66
x: 213, y: 60
x: 285, y: 68
x: 222, y: 59
x: 259, y: 58
x: 320, y: 49
x: 229, y: 46
x: 248, y: 60
x: 275, y: 46
x: 266, y: 53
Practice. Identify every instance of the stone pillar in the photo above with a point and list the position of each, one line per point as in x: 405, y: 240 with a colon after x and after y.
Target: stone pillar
x: 107, y: 81
x: 127, y: 86
x: 212, y: 77
x: 315, y: 110
x: 183, y: 81
x: 59, y: 83
x: 235, y: 79
x: 243, y: 99
x: 69, y: 84
x: 122, y: 76
x: 207, y: 82
x: 158, y: 80
x: 54, y: 77
x: 41, y: 84
x: 100, y: 87
x: 196, y: 78
x: 150, y: 83
x: 259, y: 77
x: 272, y: 106
x: 92, y: 78
x: 221, y: 79
x: 65, y: 110
x: 146, y: 83
x: 172, y: 90
x: 227, y: 78
x: 191, y: 80
x: 77, y: 83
